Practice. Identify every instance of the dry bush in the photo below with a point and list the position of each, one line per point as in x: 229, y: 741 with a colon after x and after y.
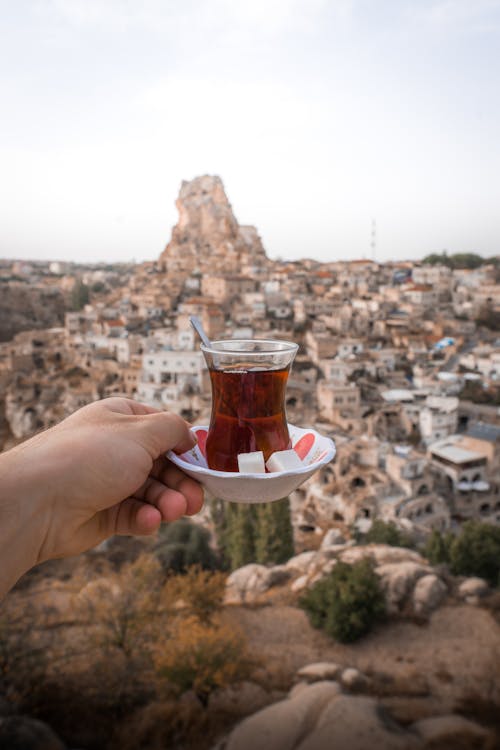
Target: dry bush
x: 23, y: 658
x: 124, y: 607
x: 168, y: 724
x: 199, y: 593
x: 201, y: 657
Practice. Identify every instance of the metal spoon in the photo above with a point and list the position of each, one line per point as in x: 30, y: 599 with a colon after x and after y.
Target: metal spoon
x: 196, y: 323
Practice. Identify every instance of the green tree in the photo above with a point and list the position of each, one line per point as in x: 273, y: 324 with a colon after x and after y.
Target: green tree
x: 346, y: 603
x: 182, y: 544
x: 382, y: 532
x: 79, y: 295
x: 476, y: 552
x: 274, y: 533
x: 456, y: 260
x: 437, y: 547
x: 238, y: 540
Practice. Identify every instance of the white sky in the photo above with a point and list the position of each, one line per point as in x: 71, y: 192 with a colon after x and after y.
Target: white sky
x: 318, y: 115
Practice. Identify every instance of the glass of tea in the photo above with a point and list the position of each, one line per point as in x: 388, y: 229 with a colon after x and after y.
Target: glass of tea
x: 249, y: 378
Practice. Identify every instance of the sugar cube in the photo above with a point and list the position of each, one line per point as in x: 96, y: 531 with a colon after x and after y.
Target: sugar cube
x: 251, y: 463
x: 284, y: 461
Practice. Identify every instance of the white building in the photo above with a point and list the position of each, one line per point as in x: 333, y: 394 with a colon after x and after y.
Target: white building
x: 438, y: 418
x: 168, y: 377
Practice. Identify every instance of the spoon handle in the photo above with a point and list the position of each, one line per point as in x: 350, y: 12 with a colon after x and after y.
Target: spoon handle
x: 196, y: 323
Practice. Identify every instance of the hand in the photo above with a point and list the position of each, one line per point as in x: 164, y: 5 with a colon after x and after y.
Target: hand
x: 100, y: 472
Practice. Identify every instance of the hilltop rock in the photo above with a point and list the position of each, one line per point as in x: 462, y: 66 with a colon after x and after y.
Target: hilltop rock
x: 207, y: 235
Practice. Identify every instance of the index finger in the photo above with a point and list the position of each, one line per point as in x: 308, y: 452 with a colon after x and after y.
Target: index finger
x: 162, y: 431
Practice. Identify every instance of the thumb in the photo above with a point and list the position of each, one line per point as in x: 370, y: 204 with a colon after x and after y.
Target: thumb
x: 162, y: 431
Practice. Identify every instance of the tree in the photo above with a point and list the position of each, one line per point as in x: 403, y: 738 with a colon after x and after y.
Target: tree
x: 238, y: 540
x: 182, y: 544
x: 382, y: 532
x: 346, y: 603
x: 79, y: 295
x: 274, y: 533
x: 437, y: 548
x: 476, y: 552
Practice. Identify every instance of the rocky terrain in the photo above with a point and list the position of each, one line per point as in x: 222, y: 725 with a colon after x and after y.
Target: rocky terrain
x: 424, y: 679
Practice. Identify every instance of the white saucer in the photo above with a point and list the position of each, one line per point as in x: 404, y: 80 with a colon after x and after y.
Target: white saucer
x: 314, y: 449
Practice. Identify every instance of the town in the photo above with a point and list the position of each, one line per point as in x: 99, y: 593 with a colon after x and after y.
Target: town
x: 399, y: 362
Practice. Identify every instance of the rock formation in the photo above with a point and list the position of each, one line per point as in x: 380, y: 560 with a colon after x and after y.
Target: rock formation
x: 207, y: 236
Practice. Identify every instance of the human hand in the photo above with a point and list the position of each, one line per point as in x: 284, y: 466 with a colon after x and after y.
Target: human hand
x: 100, y: 472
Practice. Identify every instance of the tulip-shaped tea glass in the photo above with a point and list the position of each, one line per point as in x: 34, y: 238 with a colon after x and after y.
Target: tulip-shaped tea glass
x: 248, y: 399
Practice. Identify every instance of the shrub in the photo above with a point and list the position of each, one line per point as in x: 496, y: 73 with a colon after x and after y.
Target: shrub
x: 382, y: 532
x: 183, y: 544
x: 437, y: 547
x: 476, y: 551
x: 347, y: 602
x: 201, y: 657
x: 200, y: 591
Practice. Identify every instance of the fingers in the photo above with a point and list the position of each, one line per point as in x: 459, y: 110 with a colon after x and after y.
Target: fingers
x: 173, y: 493
x: 162, y: 431
x: 173, y: 477
x: 133, y: 517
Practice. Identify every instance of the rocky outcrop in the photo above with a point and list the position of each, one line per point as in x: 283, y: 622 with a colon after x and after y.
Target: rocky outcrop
x: 410, y: 585
x: 321, y: 716
x: 245, y: 585
x: 207, y: 235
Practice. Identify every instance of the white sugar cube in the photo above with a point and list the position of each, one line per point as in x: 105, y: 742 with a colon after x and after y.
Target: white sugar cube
x: 251, y: 463
x: 284, y: 461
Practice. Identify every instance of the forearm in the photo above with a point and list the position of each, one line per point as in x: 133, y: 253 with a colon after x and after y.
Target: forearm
x: 24, y: 501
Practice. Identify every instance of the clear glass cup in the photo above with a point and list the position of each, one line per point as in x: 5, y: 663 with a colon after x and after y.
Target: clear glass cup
x: 249, y: 378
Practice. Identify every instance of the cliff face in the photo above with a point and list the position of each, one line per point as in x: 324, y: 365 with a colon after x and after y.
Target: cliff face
x: 24, y: 307
x: 207, y: 236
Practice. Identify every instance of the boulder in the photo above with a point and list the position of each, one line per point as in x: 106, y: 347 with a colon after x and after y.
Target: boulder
x: 301, y: 563
x: 283, y: 725
x: 381, y: 554
x: 473, y: 587
x: 428, y: 594
x: 321, y: 717
x: 240, y: 699
x: 353, y: 679
x: 356, y: 723
x: 25, y: 733
x: 333, y: 537
x: 453, y: 732
x: 320, y: 670
x: 245, y: 584
x: 398, y: 580
x: 299, y: 584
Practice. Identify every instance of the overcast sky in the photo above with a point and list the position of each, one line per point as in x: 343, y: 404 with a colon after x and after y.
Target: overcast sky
x: 318, y: 115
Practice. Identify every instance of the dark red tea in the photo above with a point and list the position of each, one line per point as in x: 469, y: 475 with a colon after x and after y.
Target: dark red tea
x: 248, y: 414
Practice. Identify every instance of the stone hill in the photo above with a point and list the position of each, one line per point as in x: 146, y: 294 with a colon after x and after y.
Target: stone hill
x: 207, y: 235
